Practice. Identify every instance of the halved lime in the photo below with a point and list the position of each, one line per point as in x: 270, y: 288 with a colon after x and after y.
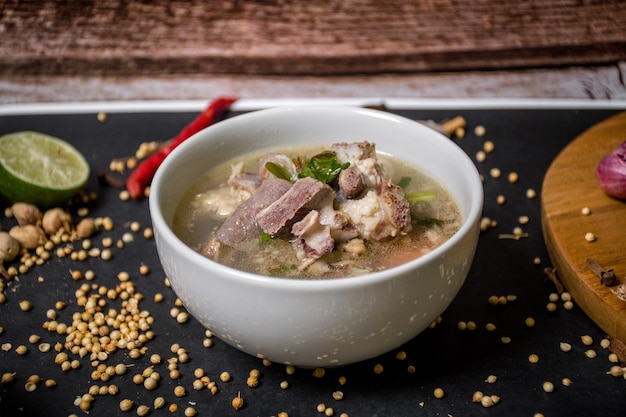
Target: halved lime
x: 40, y: 169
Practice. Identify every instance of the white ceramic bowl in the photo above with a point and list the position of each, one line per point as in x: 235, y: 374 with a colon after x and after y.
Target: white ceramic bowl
x: 327, y: 322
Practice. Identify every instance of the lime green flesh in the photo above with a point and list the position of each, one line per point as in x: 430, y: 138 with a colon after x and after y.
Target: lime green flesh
x: 40, y: 169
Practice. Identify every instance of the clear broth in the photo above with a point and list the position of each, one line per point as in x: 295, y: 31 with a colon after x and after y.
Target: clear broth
x: 196, y: 225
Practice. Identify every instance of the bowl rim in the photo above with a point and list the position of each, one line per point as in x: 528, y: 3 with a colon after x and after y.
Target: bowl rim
x: 165, y: 232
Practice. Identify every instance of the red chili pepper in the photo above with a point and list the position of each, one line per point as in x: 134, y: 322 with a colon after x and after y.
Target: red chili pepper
x: 141, y: 177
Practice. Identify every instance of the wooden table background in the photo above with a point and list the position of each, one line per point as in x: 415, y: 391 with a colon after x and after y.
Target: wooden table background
x: 166, y: 49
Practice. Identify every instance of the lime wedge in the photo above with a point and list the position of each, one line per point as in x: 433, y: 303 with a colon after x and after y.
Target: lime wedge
x: 40, y: 169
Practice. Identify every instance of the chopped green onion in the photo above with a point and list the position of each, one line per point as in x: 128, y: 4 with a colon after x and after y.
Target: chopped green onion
x: 404, y: 182
x: 420, y: 196
x: 280, y: 270
x: 278, y: 171
x: 266, y: 237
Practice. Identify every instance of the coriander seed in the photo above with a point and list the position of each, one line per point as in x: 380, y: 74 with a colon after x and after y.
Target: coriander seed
x: 480, y: 130
x: 378, y: 368
x: 548, y: 386
x: 159, y: 402
x: 616, y: 371
x: 150, y: 383
x: 179, y: 391
x: 126, y: 405
x: 439, y: 393
x: 252, y: 381
x: 143, y: 410
x: 237, y: 402
x: 477, y: 396
x: 486, y: 401
x: 182, y: 317
x: 7, y: 378
x: 590, y: 353
x: 25, y: 305
x: 605, y: 343
x: 586, y: 340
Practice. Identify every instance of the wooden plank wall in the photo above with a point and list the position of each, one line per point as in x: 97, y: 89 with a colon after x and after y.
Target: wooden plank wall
x: 280, y: 40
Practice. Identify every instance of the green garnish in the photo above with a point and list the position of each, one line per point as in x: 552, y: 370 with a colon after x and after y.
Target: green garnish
x: 323, y: 167
x: 265, y: 237
x: 277, y: 170
x: 428, y: 221
x: 281, y: 270
x: 404, y: 182
x: 420, y: 196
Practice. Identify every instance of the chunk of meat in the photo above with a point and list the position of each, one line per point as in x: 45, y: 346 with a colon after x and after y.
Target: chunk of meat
x: 242, y: 225
x: 351, y: 182
x: 305, y: 195
x: 350, y: 152
x: 382, y: 212
x: 313, y: 238
x: 362, y: 157
x: 397, y: 211
x: 243, y: 180
x: 341, y: 229
x: 212, y: 249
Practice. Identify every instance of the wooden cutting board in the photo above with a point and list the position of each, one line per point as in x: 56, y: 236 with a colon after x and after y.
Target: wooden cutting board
x: 569, y: 185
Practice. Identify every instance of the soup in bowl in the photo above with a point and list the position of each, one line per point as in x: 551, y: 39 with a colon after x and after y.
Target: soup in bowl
x: 304, y: 290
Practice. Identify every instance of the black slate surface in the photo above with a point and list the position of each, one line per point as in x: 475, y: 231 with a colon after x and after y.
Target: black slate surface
x: 526, y: 141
